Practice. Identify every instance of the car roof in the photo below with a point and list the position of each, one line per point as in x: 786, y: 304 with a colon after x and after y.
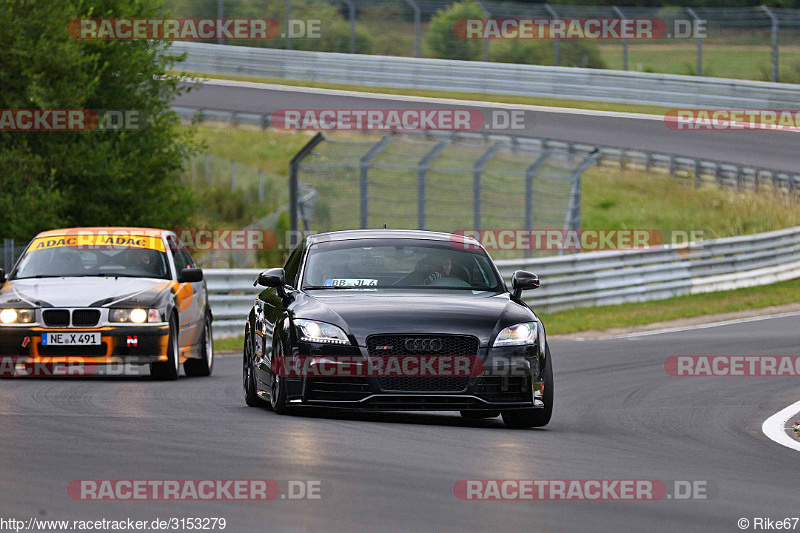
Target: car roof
x: 106, y: 229
x: 383, y: 234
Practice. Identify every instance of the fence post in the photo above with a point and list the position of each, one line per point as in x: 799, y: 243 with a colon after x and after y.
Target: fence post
x: 697, y: 169
x: 208, y: 169
x: 486, y: 14
x: 220, y: 15
x: 775, y: 28
x: 417, y: 28
x: 556, y: 58
x: 287, y: 4
x: 624, y: 41
x: 422, y: 174
x: 260, y: 185
x: 573, y: 220
x: 294, y: 167
x: 529, y: 173
x: 351, y: 9
x: 699, y: 44
x: 364, y: 178
x: 477, y: 169
x: 233, y: 175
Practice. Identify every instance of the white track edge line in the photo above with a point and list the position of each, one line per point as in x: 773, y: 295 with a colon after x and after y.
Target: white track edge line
x: 695, y: 326
x: 774, y: 427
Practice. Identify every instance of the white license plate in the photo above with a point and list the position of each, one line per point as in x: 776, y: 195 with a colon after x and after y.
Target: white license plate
x: 68, y: 339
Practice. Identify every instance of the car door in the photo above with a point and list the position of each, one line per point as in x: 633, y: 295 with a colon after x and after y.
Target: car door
x: 270, y: 310
x: 199, y: 298
x: 185, y: 297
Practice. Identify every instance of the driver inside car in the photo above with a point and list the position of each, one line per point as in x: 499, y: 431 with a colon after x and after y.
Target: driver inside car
x: 144, y: 260
x: 439, y: 268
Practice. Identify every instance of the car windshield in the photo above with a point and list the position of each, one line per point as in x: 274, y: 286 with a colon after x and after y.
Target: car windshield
x: 59, y: 260
x: 398, y: 264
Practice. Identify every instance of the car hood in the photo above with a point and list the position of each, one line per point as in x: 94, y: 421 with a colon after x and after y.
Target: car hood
x: 83, y: 291
x: 481, y: 315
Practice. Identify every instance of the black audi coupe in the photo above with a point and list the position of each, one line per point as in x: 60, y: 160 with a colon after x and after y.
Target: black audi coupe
x: 397, y: 320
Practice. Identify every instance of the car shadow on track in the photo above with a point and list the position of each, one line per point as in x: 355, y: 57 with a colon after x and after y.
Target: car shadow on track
x: 432, y: 418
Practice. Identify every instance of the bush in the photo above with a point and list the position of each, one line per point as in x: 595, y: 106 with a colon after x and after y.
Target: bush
x: 571, y: 53
x: 440, y: 41
x: 336, y: 38
x: 523, y: 52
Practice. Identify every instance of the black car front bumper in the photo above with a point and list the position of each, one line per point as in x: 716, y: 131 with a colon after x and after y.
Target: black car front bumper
x: 509, y: 379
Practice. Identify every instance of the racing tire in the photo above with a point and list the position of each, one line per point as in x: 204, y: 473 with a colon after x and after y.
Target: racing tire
x: 169, y: 369
x: 277, y: 392
x: 251, y: 397
x: 205, y: 365
x: 535, y: 418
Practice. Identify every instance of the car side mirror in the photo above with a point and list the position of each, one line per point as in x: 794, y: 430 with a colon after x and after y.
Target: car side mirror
x: 2, y: 276
x: 274, y: 277
x: 190, y: 275
x: 522, y: 280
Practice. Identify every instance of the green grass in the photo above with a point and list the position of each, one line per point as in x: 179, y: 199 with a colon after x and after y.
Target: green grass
x: 229, y: 345
x: 641, y: 313
x: 249, y: 145
x: 615, y: 199
x: 722, y: 61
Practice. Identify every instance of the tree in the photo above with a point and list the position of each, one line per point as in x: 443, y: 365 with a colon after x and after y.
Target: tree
x: 442, y: 42
x: 86, y: 178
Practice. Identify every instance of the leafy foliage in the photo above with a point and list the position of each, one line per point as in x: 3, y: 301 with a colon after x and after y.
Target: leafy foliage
x: 98, y: 177
x: 441, y: 42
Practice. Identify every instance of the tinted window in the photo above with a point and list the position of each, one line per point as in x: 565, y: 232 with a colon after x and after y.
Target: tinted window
x: 398, y: 264
x: 293, y: 266
x: 112, y: 261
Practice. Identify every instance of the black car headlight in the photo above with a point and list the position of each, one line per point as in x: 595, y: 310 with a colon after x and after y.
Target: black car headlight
x: 518, y: 335
x: 313, y: 331
x: 135, y: 316
x: 17, y: 316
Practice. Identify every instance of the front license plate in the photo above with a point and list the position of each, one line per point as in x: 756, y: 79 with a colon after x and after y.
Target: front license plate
x: 68, y: 339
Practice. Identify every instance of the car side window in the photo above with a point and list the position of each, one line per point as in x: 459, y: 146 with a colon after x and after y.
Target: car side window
x: 292, y: 266
x: 187, y: 258
x: 177, y: 256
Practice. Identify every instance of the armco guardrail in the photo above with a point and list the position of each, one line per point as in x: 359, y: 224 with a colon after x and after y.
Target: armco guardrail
x: 491, y: 78
x: 593, y: 278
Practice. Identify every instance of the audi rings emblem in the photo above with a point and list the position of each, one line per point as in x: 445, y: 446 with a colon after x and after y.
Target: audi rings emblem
x: 424, y: 345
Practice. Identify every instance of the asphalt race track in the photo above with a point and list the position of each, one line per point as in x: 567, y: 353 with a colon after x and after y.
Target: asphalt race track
x: 766, y: 149
x: 618, y: 415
